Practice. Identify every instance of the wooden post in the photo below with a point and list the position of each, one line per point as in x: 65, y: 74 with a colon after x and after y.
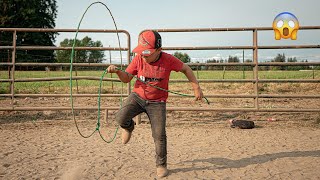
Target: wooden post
x: 106, y: 116
x: 138, y: 119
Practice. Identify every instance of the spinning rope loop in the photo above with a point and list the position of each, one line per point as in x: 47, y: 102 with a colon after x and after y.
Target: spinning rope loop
x: 99, y: 93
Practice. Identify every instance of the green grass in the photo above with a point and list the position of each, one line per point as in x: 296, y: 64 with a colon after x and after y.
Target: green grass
x: 91, y: 86
x: 249, y: 75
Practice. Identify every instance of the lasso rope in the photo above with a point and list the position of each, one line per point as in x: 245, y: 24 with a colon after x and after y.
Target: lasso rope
x: 159, y: 88
x: 101, y: 80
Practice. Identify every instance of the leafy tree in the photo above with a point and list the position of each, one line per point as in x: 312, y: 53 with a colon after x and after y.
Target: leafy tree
x: 184, y: 57
x: 233, y: 59
x: 213, y: 67
x: 279, y: 58
x: 28, y: 14
x: 293, y: 60
x: 212, y: 61
x: 81, y: 56
x: 290, y: 59
x: 247, y: 68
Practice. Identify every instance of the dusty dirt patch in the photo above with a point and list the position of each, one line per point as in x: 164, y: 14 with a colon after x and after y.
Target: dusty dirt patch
x: 201, y: 145
x: 196, y: 150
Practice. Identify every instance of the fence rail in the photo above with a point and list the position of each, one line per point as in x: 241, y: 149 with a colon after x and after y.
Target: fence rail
x: 256, y: 96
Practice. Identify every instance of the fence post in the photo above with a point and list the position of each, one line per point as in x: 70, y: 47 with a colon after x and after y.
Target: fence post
x: 138, y: 119
x: 106, y: 115
x: 256, y: 67
x: 13, y: 67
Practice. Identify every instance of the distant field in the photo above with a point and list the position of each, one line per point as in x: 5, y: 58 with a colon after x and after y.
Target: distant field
x: 48, y: 86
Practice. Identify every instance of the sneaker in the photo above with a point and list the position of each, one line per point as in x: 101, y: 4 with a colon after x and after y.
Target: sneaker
x: 126, y: 135
x: 162, y: 171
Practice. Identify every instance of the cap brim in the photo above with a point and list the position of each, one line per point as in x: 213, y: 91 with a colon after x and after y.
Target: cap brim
x: 143, y: 51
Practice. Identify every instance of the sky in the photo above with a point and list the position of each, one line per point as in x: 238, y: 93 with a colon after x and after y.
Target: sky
x: 135, y: 16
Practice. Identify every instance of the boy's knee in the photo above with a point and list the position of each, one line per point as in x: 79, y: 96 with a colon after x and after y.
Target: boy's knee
x: 125, y: 123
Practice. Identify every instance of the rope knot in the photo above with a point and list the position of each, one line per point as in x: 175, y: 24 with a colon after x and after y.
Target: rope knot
x: 98, y: 126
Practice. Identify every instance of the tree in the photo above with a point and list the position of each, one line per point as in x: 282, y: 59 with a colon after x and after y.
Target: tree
x: 212, y: 61
x: 290, y: 59
x: 279, y: 58
x: 81, y: 56
x: 247, y: 68
x: 213, y: 67
x: 28, y: 14
x: 184, y: 57
x: 233, y: 59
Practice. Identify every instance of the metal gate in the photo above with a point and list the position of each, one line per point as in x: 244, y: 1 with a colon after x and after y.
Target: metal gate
x: 256, y: 96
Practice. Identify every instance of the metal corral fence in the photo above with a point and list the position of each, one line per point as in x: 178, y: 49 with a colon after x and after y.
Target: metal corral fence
x: 255, y: 65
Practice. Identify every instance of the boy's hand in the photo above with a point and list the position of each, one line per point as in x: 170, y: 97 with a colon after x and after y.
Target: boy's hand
x: 112, y: 69
x: 198, y: 93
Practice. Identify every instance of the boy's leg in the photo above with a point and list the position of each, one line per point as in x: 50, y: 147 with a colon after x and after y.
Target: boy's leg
x: 127, y: 112
x: 157, y: 115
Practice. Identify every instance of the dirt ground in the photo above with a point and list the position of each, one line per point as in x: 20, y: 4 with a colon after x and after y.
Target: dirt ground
x: 201, y: 145
x: 43, y: 147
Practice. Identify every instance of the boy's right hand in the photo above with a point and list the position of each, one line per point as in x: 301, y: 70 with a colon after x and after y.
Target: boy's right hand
x: 112, y: 69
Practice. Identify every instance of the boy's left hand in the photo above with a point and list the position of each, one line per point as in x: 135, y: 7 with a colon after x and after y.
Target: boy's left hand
x: 198, y: 93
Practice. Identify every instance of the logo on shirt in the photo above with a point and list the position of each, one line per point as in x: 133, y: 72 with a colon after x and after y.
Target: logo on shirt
x: 147, y: 79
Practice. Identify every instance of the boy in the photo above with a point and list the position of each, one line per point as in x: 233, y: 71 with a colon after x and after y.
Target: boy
x: 152, y: 66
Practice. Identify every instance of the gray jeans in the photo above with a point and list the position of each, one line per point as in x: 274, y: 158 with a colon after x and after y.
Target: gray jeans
x: 156, y: 112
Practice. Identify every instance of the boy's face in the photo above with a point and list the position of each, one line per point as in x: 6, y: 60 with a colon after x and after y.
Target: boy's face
x: 152, y: 57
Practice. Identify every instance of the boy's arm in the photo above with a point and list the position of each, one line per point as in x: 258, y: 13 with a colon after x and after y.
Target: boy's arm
x: 124, y: 77
x: 194, y: 82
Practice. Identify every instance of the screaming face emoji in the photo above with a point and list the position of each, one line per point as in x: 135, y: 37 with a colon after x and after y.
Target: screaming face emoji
x: 285, y: 25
